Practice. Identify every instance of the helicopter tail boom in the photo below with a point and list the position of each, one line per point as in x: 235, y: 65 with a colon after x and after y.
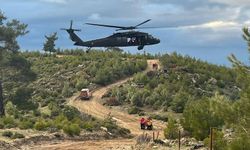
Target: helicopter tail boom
x: 75, y: 38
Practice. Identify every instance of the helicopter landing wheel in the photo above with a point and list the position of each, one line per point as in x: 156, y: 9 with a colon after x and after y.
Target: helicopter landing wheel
x: 140, y: 47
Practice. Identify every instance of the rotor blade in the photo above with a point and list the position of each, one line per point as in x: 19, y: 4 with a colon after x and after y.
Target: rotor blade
x: 143, y: 22
x: 105, y: 25
x: 63, y: 29
x: 71, y: 29
x: 166, y: 27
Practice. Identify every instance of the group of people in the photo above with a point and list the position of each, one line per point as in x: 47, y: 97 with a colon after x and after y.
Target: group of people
x: 146, y: 123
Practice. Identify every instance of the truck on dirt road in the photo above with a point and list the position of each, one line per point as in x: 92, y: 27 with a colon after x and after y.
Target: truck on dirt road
x: 85, y: 94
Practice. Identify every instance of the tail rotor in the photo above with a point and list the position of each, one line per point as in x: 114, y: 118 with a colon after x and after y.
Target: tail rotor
x: 70, y: 28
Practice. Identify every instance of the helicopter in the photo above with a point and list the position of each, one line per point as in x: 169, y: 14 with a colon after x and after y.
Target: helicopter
x: 118, y: 39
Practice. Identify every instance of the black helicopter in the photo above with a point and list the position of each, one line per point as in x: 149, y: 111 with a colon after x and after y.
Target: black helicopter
x: 119, y: 39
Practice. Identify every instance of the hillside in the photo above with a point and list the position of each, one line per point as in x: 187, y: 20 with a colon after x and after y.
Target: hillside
x: 38, y: 101
x: 43, y: 96
x: 181, y: 79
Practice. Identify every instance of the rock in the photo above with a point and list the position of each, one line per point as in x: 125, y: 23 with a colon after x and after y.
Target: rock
x: 212, y: 81
x: 104, y: 129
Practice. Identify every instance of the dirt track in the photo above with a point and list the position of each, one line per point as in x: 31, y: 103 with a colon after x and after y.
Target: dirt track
x: 123, y: 119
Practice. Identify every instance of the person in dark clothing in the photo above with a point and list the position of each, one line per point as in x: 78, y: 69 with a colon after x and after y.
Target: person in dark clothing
x: 143, y: 123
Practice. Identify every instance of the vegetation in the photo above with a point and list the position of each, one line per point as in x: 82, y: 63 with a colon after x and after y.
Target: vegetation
x: 182, y: 79
x: 9, y: 57
x: 221, y: 112
x: 171, y: 132
x: 12, y: 135
x: 49, y: 45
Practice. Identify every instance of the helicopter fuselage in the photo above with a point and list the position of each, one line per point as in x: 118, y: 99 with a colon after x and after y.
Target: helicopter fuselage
x: 122, y: 39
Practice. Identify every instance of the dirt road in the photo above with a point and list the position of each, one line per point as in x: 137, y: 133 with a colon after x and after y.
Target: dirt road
x: 94, y: 108
x: 123, y: 119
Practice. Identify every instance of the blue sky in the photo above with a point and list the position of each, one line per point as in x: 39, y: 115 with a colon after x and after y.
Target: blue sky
x: 206, y: 29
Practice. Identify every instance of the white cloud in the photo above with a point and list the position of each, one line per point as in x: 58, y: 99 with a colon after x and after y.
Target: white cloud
x: 233, y: 2
x: 215, y: 25
x: 94, y: 16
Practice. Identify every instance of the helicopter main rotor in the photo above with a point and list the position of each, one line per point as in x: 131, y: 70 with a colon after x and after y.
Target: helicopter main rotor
x: 120, y: 27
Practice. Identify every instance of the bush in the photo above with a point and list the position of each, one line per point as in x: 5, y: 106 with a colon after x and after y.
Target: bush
x: 134, y: 110
x: 171, y: 132
x: 159, y: 117
x: 198, y: 123
x: 110, y: 124
x: 71, y: 112
x: 1, y: 125
x: 9, y: 122
x: 88, y: 126
x: 22, y: 99
x: 112, y: 101
x: 219, y: 142
x: 72, y: 129
x: 81, y: 83
x: 7, y: 134
x: 26, y: 124
x: 17, y: 136
x: 67, y: 91
x: 40, y: 125
x: 241, y: 142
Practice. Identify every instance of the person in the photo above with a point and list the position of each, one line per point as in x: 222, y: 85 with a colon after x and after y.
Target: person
x: 143, y: 122
x: 149, y: 123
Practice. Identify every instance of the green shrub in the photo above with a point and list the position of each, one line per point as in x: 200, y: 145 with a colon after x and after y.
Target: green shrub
x: 240, y: 142
x: 26, y: 124
x: 219, y: 142
x: 87, y: 126
x: 81, y: 83
x: 110, y: 124
x: 22, y: 99
x: 9, y: 122
x: 1, y: 125
x: 17, y: 135
x: 40, y: 125
x: 171, y: 132
x: 72, y: 129
x: 159, y: 117
x: 134, y: 110
x: 36, y: 113
x: 7, y: 134
x: 59, y: 121
x: 71, y: 112
x: 67, y: 91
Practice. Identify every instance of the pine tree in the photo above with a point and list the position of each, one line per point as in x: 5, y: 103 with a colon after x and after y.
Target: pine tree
x: 241, y: 107
x: 49, y: 45
x: 9, y: 32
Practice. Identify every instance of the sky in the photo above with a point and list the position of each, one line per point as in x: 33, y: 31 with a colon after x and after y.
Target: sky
x: 209, y: 30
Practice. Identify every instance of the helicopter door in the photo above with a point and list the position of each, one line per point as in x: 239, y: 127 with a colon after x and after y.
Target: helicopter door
x: 131, y: 39
x: 142, y: 40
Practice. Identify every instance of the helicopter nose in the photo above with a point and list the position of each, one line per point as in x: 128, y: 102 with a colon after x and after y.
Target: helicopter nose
x: 158, y: 41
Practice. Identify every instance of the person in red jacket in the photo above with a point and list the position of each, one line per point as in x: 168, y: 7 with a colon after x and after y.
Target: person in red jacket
x: 143, y: 123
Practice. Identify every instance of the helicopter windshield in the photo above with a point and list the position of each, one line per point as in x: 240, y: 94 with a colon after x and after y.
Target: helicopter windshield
x: 150, y: 36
